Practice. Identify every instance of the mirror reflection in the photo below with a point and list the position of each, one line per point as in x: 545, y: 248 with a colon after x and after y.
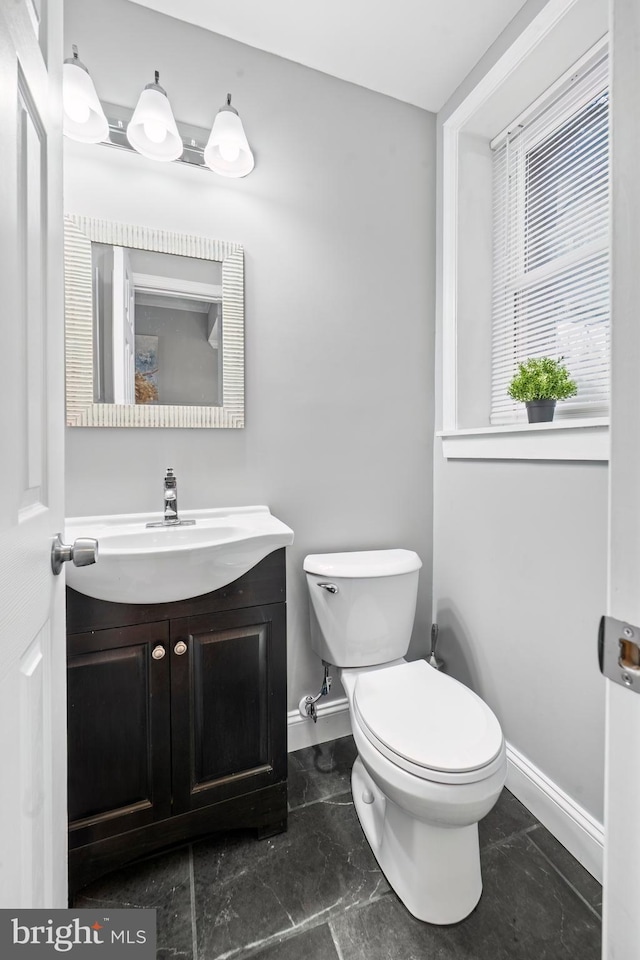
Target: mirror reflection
x: 157, y: 327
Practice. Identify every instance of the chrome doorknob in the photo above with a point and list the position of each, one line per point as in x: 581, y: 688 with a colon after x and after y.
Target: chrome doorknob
x: 180, y: 648
x: 158, y: 652
x: 82, y: 552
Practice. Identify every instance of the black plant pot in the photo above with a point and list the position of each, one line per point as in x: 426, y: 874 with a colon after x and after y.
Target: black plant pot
x: 540, y: 411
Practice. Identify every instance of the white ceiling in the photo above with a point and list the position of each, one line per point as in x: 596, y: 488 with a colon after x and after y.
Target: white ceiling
x: 418, y: 51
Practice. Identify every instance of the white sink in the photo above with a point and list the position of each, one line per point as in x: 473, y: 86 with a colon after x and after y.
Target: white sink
x: 140, y: 564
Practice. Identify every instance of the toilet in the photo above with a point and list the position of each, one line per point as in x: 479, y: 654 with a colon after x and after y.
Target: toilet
x: 431, y: 756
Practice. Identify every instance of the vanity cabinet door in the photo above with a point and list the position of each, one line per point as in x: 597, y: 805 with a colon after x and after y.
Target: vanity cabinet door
x: 119, y: 732
x: 228, y: 704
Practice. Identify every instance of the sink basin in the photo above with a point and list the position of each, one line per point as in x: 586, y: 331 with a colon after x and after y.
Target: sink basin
x: 140, y: 564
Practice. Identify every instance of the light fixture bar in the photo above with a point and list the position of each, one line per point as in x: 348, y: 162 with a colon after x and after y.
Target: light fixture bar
x: 151, y: 128
x: 193, y: 138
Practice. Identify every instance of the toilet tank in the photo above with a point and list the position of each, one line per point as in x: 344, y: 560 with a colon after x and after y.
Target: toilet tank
x: 362, y: 605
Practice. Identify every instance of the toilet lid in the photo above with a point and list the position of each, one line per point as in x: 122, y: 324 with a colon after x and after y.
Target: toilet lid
x: 363, y: 563
x: 427, y: 718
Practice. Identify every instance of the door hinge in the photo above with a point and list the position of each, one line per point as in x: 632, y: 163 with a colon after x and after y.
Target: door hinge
x: 619, y: 652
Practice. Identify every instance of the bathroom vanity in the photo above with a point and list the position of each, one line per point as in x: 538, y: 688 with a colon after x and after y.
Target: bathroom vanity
x: 176, y: 719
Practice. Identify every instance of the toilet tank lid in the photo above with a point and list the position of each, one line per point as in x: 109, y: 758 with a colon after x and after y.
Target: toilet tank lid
x: 363, y: 563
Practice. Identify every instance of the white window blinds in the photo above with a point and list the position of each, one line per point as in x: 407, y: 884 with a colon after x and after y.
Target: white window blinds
x: 551, y: 246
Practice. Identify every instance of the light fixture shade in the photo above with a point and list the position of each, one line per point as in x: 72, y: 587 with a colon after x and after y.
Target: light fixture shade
x: 84, y: 118
x: 227, y: 151
x: 152, y: 130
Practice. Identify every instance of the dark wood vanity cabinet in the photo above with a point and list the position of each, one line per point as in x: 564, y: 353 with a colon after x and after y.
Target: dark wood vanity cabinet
x: 118, y: 730
x: 176, y: 720
x: 222, y: 698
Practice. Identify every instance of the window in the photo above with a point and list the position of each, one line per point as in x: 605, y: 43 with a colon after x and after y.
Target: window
x: 551, y: 245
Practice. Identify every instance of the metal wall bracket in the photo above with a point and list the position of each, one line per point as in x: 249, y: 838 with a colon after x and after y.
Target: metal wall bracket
x: 619, y: 652
x: 194, y: 138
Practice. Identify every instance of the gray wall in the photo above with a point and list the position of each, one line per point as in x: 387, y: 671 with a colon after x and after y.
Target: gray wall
x: 187, y: 363
x: 520, y: 583
x: 338, y: 225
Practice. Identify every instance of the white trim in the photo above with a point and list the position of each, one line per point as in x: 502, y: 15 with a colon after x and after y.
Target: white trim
x: 571, y: 825
x: 450, y: 278
x: 559, y: 440
x: 176, y: 287
x: 333, y: 722
x: 596, y: 50
x: 621, y: 917
x: 539, y: 28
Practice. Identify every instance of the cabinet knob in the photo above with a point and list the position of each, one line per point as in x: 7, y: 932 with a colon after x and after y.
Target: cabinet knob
x: 158, y: 652
x: 180, y: 648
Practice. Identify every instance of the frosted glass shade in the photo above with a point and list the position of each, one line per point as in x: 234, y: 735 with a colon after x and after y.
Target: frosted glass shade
x: 84, y: 118
x: 228, y: 152
x: 152, y: 129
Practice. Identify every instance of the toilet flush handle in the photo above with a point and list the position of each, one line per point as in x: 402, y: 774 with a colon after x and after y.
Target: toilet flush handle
x: 330, y: 587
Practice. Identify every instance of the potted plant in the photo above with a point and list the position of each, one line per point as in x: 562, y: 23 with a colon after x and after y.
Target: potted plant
x: 539, y: 382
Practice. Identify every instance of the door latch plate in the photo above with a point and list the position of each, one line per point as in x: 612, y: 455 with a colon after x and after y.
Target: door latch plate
x: 619, y: 652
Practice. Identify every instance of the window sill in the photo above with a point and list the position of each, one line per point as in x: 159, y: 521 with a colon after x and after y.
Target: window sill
x: 560, y: 440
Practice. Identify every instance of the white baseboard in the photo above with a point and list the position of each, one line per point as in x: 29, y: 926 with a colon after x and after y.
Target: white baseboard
x: 333, y: 722
x: 577, y: 830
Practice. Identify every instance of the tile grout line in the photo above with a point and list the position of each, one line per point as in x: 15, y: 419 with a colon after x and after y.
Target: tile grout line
x: 512, y: 836
x: 566, y: 880
x: 312, y: 803
x: 335, y: 941
x: 192, y: 895
x: 246, y: 951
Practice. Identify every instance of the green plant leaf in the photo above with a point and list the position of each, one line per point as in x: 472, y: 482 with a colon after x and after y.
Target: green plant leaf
x: 542, y: 378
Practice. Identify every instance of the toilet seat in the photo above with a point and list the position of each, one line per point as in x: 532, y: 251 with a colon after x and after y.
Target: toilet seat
x: 427, y: 723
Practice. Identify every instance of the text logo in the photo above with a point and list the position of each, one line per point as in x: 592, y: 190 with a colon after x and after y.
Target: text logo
x: 32, y: 934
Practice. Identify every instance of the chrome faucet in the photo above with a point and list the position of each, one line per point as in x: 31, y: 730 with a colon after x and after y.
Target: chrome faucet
x: 170, y: 497
x: 171, y: 518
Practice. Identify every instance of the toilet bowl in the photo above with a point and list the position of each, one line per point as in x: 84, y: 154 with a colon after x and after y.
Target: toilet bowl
x: 431, y: 756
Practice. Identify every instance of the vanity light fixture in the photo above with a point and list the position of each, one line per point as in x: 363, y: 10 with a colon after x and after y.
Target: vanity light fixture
x: 227, y: 151
x: 84, y: 118
x: 152, y: 130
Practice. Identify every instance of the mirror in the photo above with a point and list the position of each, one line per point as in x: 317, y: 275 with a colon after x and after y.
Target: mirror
x: 154, y: 327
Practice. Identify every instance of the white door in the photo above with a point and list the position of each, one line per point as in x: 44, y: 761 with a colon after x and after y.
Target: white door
x: 621, y: 926
x: 124, y: 306
x: 32, y: 643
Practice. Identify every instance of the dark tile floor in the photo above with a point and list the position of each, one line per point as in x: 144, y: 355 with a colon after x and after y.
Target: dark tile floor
x: 316, y: 893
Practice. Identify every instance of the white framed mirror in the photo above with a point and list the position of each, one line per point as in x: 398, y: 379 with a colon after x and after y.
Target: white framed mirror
x: 154, y: 327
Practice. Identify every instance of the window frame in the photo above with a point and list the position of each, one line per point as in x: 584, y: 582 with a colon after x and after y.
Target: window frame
x: 528, y: 279
x: 577, y: 439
